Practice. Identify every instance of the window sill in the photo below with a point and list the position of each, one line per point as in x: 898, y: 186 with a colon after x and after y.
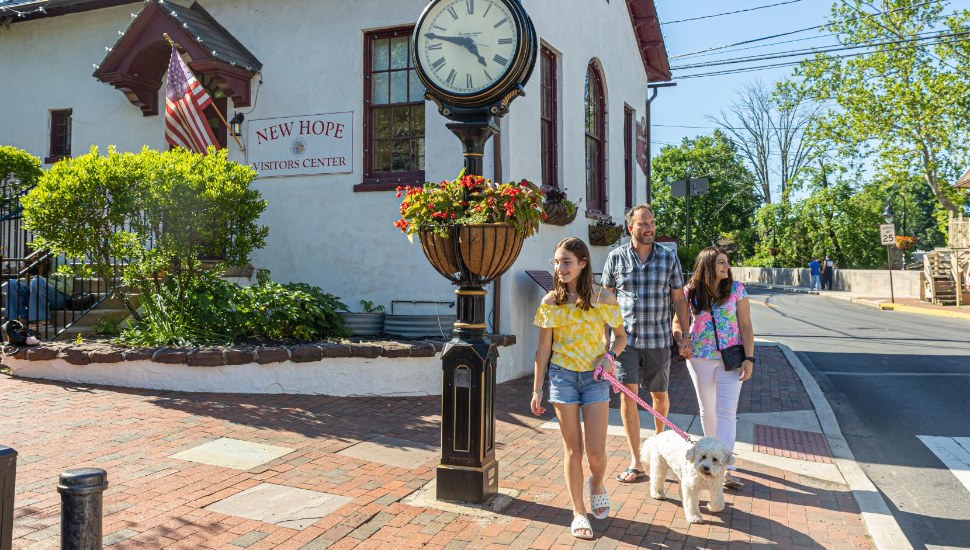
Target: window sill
x: 52, y: 160
x: 389, y: 183
x: 598, y: 216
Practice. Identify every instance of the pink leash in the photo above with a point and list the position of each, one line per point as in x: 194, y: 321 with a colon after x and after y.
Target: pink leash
x: 618, y: 387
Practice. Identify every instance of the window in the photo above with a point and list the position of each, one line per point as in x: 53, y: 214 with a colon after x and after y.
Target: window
x: 60, y: 145
x: 220, y: 102
x: 595, y: 141
x: 393, y: 112
x: 628, y: 137
x: 549, y: 118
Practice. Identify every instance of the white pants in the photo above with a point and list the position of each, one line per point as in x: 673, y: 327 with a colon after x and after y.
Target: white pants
x: 718, y: 392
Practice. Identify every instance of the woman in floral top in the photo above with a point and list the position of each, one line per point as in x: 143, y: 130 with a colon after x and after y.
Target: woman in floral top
x: 712, y: 291
x: 571, y: 324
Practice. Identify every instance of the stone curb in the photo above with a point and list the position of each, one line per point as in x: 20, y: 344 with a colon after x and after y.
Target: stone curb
x: 87, y: 353
x: 882, y: 526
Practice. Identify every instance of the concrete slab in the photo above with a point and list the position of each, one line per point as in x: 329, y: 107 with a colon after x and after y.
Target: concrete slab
x: 233, y: 453
x: 392, y: 451
x: 805, y: 421
x: 425, y: 498
x: 280, y: 505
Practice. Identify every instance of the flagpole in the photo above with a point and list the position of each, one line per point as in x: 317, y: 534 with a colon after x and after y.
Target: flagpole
x: 175, y: 46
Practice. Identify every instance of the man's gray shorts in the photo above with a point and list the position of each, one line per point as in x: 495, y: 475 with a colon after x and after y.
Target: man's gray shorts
x: 650, y: 368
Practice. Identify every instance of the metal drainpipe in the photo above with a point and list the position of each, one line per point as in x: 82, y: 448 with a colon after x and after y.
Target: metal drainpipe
x: 497, y: 284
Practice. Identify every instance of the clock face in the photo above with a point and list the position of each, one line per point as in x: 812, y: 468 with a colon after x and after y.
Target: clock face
x: 466, y: 46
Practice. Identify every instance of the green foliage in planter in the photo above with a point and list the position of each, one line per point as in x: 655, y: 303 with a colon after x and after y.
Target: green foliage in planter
x: 19, y: 170
x: 368, y: 307
x: 159, y: 210
x: 214, y: 311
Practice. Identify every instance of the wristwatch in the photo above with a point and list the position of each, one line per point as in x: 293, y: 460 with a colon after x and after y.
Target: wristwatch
x: 749, y: 359
x: 610, y: 353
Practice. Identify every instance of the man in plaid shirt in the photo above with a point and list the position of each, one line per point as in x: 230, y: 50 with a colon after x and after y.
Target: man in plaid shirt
x: 646, y: 279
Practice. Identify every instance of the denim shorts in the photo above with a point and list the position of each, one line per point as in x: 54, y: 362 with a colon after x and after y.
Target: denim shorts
x: 571, y: 387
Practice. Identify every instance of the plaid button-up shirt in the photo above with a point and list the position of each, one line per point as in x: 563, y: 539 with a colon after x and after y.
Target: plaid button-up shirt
x: 643, y: 292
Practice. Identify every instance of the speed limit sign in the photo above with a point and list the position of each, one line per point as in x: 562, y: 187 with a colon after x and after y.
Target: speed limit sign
x: 887, y: 233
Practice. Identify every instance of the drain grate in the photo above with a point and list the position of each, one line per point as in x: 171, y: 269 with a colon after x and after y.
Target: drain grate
x: 797, y: 444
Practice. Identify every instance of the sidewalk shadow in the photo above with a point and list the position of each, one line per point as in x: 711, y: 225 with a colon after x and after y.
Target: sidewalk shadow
x: 799, y: 494
x: 619, y: 529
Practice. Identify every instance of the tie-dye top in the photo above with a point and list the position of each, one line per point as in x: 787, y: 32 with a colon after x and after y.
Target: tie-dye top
x: 728, y: 330
x: 578, y: 335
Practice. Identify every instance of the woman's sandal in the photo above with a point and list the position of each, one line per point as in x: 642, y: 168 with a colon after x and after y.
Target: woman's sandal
x: 731, y: 482
x: 599, y: 501
x: 580, y: 524
x: 623, y: 476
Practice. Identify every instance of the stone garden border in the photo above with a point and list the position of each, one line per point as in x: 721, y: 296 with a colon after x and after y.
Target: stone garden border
x: 363, y: 367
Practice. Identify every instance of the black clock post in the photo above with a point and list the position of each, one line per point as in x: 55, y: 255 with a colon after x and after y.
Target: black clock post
x: 472, y: 256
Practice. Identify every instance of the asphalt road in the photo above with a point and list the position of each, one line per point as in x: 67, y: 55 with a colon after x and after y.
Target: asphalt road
x: 891, y: 378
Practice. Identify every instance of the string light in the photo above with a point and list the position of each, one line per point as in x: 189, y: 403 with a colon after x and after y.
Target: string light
x: 25, y: 13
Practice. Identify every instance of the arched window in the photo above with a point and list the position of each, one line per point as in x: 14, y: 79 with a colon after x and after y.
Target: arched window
x: 595, y: 141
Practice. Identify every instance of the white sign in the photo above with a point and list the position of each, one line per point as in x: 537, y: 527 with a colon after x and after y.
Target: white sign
x: 887, y: 232
x: 301, y: 145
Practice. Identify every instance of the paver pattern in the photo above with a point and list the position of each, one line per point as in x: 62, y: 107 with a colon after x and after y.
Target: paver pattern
x: 156, y: 501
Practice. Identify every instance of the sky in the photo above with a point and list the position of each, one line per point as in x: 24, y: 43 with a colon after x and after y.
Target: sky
x: 681, y: 111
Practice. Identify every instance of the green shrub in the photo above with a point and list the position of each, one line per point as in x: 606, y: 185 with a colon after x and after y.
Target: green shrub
x: 214, y: 311
x: 161, y: 211
x: 19, y: 170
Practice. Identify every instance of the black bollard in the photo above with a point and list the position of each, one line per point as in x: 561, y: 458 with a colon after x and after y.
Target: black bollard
x: 81, y: 491
x: 8, y: 476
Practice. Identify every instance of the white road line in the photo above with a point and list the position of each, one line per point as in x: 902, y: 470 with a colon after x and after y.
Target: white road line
x: 921, y: 374
x: 952, y: 451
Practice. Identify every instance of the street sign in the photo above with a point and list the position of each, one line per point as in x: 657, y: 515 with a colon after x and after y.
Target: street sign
x: 678, y: 188
x: 698, y: 186
x: 887, y: 233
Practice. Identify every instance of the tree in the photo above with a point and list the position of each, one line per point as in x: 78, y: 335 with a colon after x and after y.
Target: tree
x: 904, y: 99
x: 770, y: 133
x: 726, y: 210
x: 160, y: 211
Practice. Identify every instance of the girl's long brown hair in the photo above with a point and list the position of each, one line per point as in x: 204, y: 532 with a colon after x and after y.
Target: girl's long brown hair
x: 704, y: 289
x: 584, y: 283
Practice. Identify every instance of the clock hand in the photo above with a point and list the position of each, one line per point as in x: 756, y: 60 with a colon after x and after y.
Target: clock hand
x: 464, y: 41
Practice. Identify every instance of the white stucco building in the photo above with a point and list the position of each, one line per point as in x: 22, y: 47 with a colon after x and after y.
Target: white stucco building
x: 338, y: 62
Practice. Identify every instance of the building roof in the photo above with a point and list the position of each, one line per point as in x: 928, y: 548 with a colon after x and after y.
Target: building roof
x: 964, y: 181
x: 646, y: 26
x: 643, y: 16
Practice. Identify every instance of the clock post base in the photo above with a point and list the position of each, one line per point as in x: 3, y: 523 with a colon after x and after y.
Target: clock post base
x: 465, y: 484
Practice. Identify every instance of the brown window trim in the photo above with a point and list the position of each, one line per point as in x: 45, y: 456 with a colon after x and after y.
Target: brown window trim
x: 59, y: 145
x: 629, y: 137
x: 373, y: 180
x: 550, y: 157
x: 602, y: 138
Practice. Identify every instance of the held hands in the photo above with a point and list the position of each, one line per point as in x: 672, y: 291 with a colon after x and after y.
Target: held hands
x: 686, y: 348
x: 746, y: 370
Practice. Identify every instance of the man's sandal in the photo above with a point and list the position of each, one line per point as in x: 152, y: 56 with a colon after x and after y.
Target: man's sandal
x: 623, y: 476
x: 599, y: 501
x: 731, y: 482
x: 579, y: 525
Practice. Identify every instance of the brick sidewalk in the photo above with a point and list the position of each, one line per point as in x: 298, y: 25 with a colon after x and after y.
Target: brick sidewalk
x: 155, y: 501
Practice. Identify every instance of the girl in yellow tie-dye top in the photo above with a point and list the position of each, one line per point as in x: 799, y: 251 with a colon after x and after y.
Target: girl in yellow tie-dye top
x: 572, y: 342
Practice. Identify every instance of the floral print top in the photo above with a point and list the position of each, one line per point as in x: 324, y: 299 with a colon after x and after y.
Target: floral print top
x: 578, y: 335
x: 726, y: 314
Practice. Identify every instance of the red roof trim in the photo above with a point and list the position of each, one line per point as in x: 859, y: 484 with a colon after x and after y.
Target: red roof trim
x: 646, y: 27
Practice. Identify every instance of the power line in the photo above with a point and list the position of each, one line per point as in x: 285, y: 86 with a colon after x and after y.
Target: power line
x: 808, y: 51
x: 753, y: 40
x: 730, y: 12
x: 796, y: 62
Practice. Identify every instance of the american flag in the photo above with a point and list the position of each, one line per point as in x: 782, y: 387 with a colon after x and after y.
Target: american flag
x: 185, y: 99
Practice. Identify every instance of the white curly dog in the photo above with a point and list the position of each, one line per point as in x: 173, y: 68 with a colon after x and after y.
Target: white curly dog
x: 699, y: 466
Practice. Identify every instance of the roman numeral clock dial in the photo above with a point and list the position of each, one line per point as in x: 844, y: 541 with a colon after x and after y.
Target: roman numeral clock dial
x: 467, y: 49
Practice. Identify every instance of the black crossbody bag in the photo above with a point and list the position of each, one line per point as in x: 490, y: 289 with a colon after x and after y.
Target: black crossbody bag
x: 732, y: 356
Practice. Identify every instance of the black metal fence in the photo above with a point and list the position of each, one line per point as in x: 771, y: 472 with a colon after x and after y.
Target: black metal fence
x: 35, y: 290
